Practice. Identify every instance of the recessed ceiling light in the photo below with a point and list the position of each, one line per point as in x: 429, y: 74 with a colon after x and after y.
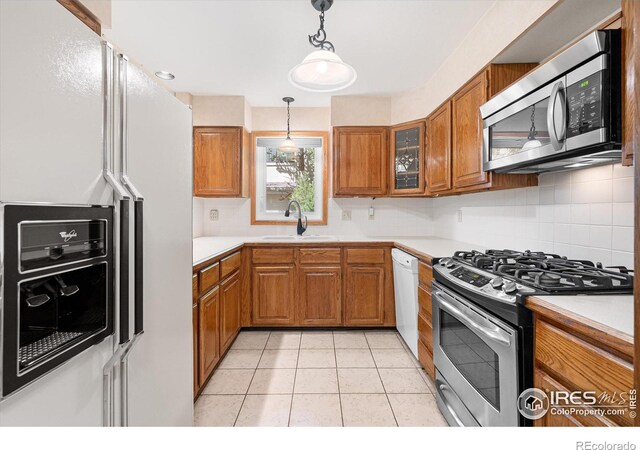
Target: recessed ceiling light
x: 165, y: 75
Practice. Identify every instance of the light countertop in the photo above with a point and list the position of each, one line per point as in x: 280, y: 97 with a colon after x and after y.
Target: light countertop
x: 205, y: 248
x: 611, y: 311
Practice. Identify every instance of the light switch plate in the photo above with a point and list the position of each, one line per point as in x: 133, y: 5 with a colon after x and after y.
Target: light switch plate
x: 459, y: 216
x: 213, y: 214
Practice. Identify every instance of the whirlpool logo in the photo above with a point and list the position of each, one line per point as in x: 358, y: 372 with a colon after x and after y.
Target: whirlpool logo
x: 68, y: 235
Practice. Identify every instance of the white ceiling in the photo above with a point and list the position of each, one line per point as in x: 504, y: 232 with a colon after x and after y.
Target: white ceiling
x: 247, y: 47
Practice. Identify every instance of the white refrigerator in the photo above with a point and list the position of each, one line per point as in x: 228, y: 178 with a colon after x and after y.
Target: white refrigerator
x: 66, y: 101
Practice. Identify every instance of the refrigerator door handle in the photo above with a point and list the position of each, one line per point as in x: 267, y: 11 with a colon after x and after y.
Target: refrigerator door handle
x: 138, y: 199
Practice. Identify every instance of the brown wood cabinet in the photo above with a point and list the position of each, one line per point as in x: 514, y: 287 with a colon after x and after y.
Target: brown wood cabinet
x: 467, y: 133
x: 406, y: 162
x: 575, y: 354
x: 360, y: 161
x: 320, y: 297
x: 273, y: 295
x: 454, y: 137
x: 364, y: 304
x: 229, y: 310
x: 208, y: 334
x: 194, y: 320
x: 438, y: 150
x: 425, y: 324
x: 220, y: 162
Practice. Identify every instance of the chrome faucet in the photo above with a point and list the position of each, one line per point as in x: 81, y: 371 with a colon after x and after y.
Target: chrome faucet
x: 301, y: 229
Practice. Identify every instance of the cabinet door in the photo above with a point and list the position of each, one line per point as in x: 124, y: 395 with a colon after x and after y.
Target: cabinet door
x: 438, y: 160
x: 467, y: 133
x: 209, y: 334
x: 320, y: 299
x: 360, y: 161
x: 229, y: 310
x: 217, y: 162
x: 273, y: 291
x: 364, y: 303
x: 194, y: 318
x: 407, y: 159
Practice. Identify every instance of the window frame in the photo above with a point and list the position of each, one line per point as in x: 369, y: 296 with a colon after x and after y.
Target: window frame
x: 325, y: 175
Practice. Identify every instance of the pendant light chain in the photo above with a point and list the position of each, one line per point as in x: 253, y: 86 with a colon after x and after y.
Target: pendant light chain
x: 288, y: 119
x: 319, y: 40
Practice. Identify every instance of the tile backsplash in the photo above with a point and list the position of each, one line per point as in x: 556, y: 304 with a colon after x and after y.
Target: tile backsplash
x: 586, y: 213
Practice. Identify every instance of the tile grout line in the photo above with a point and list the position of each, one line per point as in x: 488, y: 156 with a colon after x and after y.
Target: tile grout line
x: 295, y: 375
x: 252, y: 377
x: 381, y: 382
x: 335, y: 355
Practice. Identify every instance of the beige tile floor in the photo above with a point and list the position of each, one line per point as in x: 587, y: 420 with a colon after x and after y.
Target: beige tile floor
x: 318, y: 378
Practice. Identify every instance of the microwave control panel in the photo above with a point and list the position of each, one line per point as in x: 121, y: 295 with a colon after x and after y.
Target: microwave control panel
x: 584, y: 100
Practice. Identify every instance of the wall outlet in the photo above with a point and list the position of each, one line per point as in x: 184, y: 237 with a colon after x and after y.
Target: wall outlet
x: 372, y: 213
x: 459, y: 216
x: 213, y: 214
x: 346, y: 214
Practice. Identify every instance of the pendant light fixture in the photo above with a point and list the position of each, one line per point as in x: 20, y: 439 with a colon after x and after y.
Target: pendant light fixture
x: 532, y: 142
x: 288, y: 146
x: 322, y: 70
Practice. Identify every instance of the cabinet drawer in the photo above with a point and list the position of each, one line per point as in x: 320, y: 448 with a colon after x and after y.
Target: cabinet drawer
x: 194, y: 288
x: 365, y: 255
x: 580, y: 365
x: 425, y: 332
x: 209, y: 276
x: 319, y: 256
x: 426, y: 360
x: 424, y: 301
x: 229, y: 264
x: 425, y: 275
x: 272, y: 255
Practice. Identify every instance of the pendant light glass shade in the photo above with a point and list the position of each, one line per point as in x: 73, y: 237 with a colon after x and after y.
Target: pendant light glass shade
x: 322, y: 71
x: 288, y: 146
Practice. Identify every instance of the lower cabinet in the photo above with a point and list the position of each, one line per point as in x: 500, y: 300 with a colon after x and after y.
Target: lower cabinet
x: 273, y: 295
x: 425, y: 324
x: 230, y: 292
x: 208, y: 333
x: 365, y: 295
x: 194, y: 318
x: 320, y: 298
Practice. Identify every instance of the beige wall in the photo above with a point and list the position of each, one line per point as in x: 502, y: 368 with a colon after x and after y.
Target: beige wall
x: 302, y: 119
x: 360, y: 110
x: 500, y: 26
x: 228, y: 110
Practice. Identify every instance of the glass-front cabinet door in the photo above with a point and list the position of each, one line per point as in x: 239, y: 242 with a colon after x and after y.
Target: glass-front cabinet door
x: 407, y: 159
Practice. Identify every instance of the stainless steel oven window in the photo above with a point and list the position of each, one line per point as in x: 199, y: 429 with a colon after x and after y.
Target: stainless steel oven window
x: 473, y: 358
x: 489, y: 395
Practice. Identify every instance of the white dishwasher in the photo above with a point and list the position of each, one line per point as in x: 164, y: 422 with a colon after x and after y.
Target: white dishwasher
x: 405, y: 275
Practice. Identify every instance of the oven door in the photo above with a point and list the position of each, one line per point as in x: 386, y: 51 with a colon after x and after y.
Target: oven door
x: 476, y: 355
x: 532, y: 128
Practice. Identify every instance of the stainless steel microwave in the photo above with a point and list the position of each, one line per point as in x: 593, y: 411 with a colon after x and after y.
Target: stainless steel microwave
x: 564, y: 114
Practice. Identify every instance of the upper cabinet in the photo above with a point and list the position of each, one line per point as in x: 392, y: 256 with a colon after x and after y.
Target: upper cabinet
x: 454, y: 137
x: 407, y: 159
x: 360, y: 156
x: 220, y: 162
x: 438, y: 150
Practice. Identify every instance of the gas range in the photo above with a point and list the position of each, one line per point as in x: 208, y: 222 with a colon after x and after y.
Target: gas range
x: 483, y: 333
x: 508, y: 276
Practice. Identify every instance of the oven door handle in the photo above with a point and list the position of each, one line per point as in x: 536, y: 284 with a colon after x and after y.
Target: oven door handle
x: 492, y: 333
x: 557, y: 139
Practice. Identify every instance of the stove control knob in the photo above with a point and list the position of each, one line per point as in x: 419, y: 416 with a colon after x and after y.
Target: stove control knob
x: 496, y: 282
x: 445, y: 261
x: 450, y: 264
x: 510, y: 287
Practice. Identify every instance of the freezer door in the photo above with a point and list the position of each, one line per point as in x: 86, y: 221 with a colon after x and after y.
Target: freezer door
x: 51, y: 151
x: 51, y: 86
x: 158, y: 129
